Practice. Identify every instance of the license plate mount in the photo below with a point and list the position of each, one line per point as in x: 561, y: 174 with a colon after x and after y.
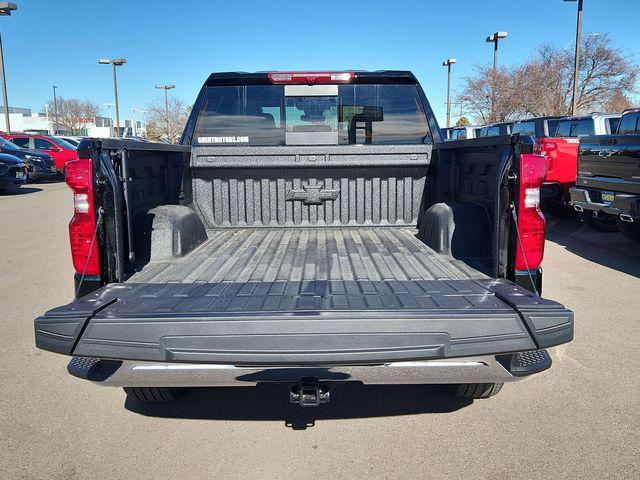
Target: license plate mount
x: 607, y: 197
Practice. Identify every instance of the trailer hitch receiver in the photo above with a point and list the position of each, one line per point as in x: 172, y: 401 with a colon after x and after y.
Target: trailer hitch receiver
x: 309, y: 393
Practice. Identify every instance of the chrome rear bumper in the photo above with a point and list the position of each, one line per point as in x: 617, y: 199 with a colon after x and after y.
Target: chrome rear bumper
x: 484, y: 369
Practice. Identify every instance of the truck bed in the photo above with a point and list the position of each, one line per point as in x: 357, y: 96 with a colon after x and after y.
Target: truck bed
x: 365, y: 255
x: 308, y: 257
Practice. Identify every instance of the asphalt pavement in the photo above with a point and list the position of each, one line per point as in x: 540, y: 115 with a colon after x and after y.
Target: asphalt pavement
x: 580, y: 419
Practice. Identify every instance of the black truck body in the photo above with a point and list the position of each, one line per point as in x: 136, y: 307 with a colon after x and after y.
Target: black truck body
x: 608, y: 178
x: 369, y: 256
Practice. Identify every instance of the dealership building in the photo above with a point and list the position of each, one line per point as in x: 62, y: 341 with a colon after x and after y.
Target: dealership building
x: 25, y: 120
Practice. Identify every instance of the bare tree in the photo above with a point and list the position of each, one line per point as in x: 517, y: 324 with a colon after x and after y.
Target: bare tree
x: 489, y: 96
x: 617, y: 102
x: 166, y: 124
x: 74, y: 114
x: 543, y: 84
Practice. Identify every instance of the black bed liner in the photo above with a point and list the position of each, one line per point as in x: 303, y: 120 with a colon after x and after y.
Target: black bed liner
x: 275, y: 254
x: 298, y: 322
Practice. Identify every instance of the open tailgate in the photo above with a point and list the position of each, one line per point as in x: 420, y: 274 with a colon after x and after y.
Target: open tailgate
x: 321, y: 322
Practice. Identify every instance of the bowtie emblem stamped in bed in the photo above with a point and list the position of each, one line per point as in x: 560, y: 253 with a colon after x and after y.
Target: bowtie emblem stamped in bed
x: 312, y: 193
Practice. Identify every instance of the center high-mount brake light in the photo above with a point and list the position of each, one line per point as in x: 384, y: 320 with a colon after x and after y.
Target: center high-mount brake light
x: 79, y: 176
x: 531, y: 222
x: 310, y: 78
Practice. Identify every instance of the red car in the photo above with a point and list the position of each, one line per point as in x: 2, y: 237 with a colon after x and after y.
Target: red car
x: 61, y: 151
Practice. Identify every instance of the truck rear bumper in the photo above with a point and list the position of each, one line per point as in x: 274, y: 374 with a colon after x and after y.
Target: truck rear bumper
x: 482, y: 369
x: 626, y: 206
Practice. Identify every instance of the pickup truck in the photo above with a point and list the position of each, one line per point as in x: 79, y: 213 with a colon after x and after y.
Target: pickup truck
x: 560, y: 148
x: 609, y: 175
x: 311, y: 229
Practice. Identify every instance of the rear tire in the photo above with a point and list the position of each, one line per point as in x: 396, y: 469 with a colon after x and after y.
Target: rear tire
x: 630, y: 230
x: 476, y: 390
x: 153, y: 394
x: 603, y: 222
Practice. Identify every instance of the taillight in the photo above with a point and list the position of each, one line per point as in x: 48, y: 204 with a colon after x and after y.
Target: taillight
x: 310, y: 78
x: 531, y: 222
x: 84, y: 245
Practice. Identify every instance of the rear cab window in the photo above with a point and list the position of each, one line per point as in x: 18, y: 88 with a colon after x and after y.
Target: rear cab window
x: 612, y: 124
x: 459, y: 134
x: 525, y: 128
x: 571, y: 128
x: 325, y: 114
x: 629, y: 124
x: 490, y: 131
x: 551, y: 127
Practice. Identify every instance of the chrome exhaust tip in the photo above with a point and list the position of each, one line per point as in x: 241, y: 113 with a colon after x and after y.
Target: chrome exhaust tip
x: 578, y: 208
x: 625, y: 217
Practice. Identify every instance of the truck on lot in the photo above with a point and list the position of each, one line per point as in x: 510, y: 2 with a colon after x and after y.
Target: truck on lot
x: 311, y: 229
x: 560, y: 148
x: 609, y: 175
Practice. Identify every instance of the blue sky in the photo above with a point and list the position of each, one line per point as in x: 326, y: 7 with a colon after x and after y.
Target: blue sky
x: 49, y: 42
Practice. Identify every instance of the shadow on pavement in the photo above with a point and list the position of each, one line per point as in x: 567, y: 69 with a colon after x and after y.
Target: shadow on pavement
x: 22, y: 191
x: 608, y: 249
x: 271, y: 402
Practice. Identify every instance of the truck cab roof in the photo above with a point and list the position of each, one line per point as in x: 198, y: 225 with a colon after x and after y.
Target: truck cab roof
x: 266, y: 78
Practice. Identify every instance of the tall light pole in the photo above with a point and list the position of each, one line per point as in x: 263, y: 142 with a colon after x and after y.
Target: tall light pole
x: 134, y: 129
x: 576, y: 64
x: 447, y: 63
x: 495, y: 38
x: 116, y: 62
x: 5, y: 10
x: 55, y: 110
x: 166, y: 88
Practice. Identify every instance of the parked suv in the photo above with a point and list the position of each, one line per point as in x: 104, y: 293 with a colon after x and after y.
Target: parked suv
x: 13, y: 173
x: 39, y: 165
x: 61, y: 151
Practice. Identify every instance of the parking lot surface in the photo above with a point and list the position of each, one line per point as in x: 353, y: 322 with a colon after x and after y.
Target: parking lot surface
x: 578, y: 420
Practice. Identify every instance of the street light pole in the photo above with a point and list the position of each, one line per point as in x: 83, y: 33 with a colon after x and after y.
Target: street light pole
x: 116, y: 62
x: 495, y: 38
x: 55, y: 111
x: 576, y: 64
x: 108, y: 105
x: 134, y: 129
x: 166, y: 88
x: 447, y: 63
x: 5, y: 10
